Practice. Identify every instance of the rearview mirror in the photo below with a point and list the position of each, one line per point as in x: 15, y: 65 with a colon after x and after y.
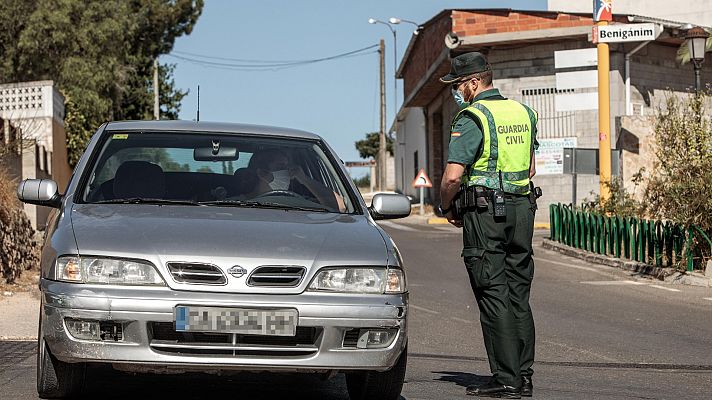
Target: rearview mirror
x: 216, y: 153
x: 389, y: 206
x: 42, y: 192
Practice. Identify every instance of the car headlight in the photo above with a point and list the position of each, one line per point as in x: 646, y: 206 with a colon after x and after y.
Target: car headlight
x: 110, y: 271
x: 359, y: 280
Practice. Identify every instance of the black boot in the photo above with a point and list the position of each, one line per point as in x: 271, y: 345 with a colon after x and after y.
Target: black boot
x: 527, y: 386
x: 494, y: 389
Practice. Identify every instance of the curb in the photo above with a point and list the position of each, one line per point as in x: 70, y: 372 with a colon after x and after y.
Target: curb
x: 669, y: 275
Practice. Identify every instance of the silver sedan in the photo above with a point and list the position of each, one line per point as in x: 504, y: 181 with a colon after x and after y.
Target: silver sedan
x: 193, y: 246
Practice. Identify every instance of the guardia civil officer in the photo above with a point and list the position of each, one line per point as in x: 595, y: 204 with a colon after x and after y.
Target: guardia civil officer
x: 491, y: 154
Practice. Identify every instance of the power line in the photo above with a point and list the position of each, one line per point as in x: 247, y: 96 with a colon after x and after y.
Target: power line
x: 261, y: 65
x: 188, y: 54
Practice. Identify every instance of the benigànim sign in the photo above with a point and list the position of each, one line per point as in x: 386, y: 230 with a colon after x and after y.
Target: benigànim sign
x: 625, y: 33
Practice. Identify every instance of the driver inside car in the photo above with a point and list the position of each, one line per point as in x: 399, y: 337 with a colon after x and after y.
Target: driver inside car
x: 275, y: 174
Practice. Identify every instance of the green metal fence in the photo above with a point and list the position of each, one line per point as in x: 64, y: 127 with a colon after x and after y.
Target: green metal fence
x: 648, y: 241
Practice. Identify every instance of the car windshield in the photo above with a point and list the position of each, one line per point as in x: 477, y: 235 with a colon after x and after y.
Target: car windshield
x: 204, y: 169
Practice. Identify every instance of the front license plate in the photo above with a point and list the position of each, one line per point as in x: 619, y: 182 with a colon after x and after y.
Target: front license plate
x: 244, y: 321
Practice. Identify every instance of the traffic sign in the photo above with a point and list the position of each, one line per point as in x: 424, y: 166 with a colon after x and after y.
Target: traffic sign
x: 421, y: 180
x: 620, y: 33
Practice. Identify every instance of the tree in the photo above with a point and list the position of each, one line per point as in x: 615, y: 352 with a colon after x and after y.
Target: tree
x: 99, y: 53
x: 368, y: 148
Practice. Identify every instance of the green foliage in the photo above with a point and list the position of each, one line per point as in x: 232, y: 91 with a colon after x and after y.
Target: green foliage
x: 621, y: 202
x: 683, y: 52
x: 680, y: 188
x: 363, y: 182
x: 99, y: 53
x: 368, y: 148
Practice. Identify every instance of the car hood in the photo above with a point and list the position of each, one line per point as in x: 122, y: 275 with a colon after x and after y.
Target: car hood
x: 227, y: 236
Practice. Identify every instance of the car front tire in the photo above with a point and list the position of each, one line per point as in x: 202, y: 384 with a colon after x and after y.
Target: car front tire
x: 57, y: 379
x: 374, y: 385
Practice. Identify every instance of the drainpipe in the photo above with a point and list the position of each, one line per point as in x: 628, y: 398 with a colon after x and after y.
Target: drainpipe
x: 628, y: 106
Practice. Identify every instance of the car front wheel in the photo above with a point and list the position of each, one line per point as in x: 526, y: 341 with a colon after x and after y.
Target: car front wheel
x: 374, y: 385
x: 57, y: 379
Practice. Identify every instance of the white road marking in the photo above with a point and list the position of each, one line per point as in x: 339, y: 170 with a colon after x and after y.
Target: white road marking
x: 583, y: 351
x: 467, y: 321
x: 707, y: 298
x: 427, y: 310
x: 665, y: 288
x: 397, y: 226
x: 591, y: 269
x: 447, y: 228
x: 606, y: 283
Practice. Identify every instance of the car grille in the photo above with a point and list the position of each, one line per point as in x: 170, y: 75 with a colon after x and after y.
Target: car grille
x: 276, y: 276
x: 166, y: 339
x: 206, y: 274
x: 351, y: 338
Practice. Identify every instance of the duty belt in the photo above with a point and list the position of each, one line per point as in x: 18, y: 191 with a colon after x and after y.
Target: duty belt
x: 473, y: 197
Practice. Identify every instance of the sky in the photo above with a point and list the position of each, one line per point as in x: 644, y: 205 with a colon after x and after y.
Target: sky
x: 337, y: 99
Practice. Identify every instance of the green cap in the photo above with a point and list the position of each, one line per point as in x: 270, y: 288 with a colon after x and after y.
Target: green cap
x: 465, y: 65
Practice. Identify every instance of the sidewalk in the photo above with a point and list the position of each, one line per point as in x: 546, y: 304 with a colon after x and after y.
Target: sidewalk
x: 19, y: 315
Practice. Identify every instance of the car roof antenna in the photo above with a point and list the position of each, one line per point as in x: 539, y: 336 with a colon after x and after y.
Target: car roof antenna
x: 197, y: 117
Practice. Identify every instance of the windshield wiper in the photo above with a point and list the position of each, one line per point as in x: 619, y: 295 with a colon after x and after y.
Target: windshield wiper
x: 230, y: 203
x: 290, y: 207
x: 260, y: 204
x: 144, y: 200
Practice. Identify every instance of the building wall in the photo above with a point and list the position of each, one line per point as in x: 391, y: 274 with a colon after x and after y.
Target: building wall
x: 528, y: 66
x: 410, y: 138
x: 693, y: 11
x: 36, y: 109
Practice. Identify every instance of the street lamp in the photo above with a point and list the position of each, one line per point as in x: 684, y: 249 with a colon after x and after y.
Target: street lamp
x: 396, y: 21
x: 696, y: 43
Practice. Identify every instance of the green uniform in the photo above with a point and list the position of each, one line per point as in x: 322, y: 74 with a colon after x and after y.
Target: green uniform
x: 492, y: 135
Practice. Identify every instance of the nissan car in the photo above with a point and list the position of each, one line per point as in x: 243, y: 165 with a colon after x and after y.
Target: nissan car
x: 183, y: 246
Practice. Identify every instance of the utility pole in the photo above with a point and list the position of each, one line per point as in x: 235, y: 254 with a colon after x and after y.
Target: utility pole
x: 602, y: 14
x: 604, y: 117
x: 382, y: 134
x: 156, y: 101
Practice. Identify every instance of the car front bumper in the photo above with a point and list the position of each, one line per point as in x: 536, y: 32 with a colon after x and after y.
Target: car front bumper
x: 138, y: 310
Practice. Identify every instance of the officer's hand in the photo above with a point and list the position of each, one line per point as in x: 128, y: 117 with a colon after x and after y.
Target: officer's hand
x: 456, y: 222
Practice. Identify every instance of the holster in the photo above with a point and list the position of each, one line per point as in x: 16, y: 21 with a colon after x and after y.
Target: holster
x: 534, y: 194
x: 459, y: 204
x: 469, y: 198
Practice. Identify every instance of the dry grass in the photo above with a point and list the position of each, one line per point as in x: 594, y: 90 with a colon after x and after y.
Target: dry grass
x: 8, y: 196
x: 28, y: 281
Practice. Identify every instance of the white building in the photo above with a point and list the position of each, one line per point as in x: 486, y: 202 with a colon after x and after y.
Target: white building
x: 33, y: 138
x: 698, y: 12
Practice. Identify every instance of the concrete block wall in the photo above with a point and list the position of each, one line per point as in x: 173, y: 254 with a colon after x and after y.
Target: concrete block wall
x: 558, y: 189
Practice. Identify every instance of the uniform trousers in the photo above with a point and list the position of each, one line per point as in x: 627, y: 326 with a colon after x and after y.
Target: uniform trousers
x: 498, y: 257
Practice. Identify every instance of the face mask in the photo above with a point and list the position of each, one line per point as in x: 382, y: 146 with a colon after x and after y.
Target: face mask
x: 280, y: 180
x: 459, y: 99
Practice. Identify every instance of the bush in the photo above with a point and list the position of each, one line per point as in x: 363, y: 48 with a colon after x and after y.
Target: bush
x: 680, y: 188
x: 363, y: 182
x: 18, y: 249
x: 621, y: 202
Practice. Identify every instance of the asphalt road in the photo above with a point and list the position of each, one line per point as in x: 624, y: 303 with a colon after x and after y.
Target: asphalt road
x: 601, y: 334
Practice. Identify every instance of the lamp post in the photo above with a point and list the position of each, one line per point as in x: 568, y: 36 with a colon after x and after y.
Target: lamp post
x: 396, y: 21
x: 696, y: 41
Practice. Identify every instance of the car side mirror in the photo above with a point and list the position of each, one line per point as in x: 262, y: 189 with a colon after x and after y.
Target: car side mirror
x: 389, y: 206
x: 41, y: 192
